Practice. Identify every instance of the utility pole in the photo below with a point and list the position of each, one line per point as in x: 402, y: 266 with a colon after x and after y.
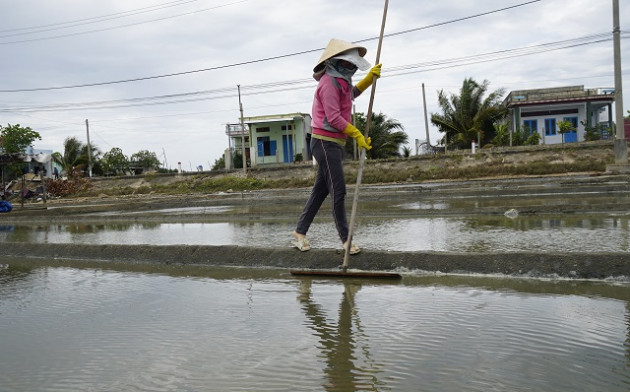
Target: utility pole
x: 426, y: 118
x: 89, y: 148
x: 240, y: 105
x: 165, y: 161
x: 621, y: 144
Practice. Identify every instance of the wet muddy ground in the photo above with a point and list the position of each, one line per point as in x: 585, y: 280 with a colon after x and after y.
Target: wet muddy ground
x: 557, y: 196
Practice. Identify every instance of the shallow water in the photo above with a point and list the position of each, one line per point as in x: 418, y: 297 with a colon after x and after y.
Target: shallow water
x: 561, y: 233
x: 204, y: 329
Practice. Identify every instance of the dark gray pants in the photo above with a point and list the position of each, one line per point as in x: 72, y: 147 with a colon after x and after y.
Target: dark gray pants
x: 330, y: 180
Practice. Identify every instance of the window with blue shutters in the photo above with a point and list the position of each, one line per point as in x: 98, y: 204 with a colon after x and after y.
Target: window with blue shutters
x: 266, y: 147
x: 529, y: 127
x: 550, y: 127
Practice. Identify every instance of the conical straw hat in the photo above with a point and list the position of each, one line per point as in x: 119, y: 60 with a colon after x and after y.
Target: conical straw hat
x: 335, y: 47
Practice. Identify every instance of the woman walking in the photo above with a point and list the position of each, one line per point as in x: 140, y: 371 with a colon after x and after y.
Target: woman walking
x: 331, y: 113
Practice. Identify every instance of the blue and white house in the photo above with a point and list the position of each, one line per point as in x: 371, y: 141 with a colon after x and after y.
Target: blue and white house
x: 270, y: 140
x: 540, y: 110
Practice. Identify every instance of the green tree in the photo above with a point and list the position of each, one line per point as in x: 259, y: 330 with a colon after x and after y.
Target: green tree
x: 219, y: 163
x: 533, y: 139
x: 115, y: 162
x: 387, y: 136
x: 74, y: 160
x: 237, y: 161
x: 502, y: 135
x: 592, y: 132
x: 518, y: 138
x: 406, y: 151
x: 145, y: 159
x: 469, y: 116
x: 95, y: 158
x: 14, y: 138
x: 70, y: 161
x: 565, y: 126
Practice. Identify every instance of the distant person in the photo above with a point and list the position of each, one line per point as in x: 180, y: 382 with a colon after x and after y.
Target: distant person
x: 55, y: 173
x: 332, y: 106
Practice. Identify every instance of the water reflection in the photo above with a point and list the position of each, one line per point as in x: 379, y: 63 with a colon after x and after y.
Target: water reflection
x: 193, y: 328
x: 536, y: 223
x: 628, y: 329
x: 338, y: 341
x: 560, y: 233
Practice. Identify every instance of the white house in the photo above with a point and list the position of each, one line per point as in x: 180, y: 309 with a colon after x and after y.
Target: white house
x: 270, y: 140
x: 39, y: 162
x: 541, y: 110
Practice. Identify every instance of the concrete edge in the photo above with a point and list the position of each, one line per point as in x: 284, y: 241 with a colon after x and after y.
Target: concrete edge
x: 601, y: 265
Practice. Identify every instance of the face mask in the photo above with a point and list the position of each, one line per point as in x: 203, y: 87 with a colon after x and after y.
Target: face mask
x: 345, y: 70
x: 334, y: 68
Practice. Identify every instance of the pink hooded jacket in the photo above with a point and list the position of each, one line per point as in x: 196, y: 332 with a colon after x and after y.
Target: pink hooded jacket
x: 332, y: 107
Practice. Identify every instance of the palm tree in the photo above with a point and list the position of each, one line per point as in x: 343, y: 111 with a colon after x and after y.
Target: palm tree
x: 71, y: 161
x: 387, y: 136
x: 468, y: 116
x: 75, y: 157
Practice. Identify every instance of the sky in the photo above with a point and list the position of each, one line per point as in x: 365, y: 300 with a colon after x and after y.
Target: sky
x: 162, y: 75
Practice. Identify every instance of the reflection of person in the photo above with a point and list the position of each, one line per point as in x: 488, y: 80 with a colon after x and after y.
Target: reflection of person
x: 628, y: 339
x: 331, y: 115
x: 337, y: 340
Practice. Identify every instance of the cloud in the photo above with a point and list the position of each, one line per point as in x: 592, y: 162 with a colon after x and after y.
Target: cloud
x: 192, y: 36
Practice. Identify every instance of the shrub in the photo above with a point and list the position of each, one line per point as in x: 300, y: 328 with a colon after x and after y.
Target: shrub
x: 63, y: 188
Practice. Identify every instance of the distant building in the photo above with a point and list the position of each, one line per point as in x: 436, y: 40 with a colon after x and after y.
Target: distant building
x: 270, y: 140
x: 35, y: 161
x: 540, y: 110
x: 39, y: 162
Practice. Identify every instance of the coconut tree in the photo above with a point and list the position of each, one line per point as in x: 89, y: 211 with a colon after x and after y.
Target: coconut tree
x: 70, y: 161
x: 469, y: 116
x: 388, y: 135
x: 75, y: 157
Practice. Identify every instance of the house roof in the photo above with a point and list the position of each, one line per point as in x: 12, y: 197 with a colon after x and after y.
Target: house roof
x: 274, y: 118
x: 558, y: 95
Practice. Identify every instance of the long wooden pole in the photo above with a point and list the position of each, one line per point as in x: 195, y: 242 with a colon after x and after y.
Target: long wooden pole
x: 355, y: 200
x: 621, y: 144
x: 240, y: 106
x: 89, y: 147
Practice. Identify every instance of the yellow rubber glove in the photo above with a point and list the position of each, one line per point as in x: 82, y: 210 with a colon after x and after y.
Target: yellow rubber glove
x: 353, y: 132
x: 366, y: 82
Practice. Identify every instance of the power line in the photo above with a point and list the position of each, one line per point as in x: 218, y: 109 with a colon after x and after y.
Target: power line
x: 95, y: 19
x: 258, y: 60
x: 275, y: 87
x: 161, y: 76
x: 502, y: 55
x: 495, y: 55
x: 121, y: 26
x: 452, y: 21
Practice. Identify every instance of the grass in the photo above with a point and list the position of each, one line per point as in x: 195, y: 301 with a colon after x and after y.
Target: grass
x: 453, y: 166
x: 371, y: 175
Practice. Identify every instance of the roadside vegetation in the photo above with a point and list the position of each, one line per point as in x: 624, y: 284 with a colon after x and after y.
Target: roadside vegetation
x: 474, y: 114
x: 461, y: 165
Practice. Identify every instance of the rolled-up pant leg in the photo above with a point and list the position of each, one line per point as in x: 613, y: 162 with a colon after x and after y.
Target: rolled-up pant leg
x: 330, y: 180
